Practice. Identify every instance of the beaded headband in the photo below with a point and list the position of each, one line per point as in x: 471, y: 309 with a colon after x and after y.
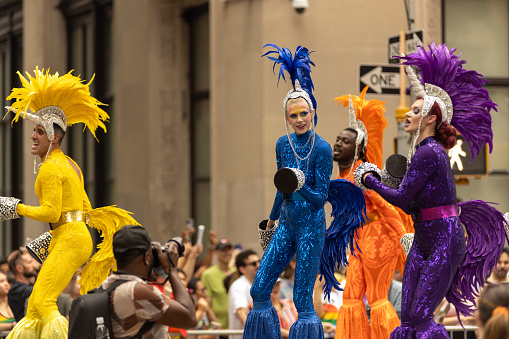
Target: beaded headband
x: 296, y: 93
x: 45, y: 117
x: 431, y: 94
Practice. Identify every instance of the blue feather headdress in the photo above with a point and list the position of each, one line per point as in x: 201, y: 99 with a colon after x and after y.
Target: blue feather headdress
x: 299, y: 69
x: 467, y: 103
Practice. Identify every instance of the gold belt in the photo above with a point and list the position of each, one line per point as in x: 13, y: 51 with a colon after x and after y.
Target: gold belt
x: 71, y: 216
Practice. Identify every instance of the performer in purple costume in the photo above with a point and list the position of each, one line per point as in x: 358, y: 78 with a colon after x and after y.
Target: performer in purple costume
x: 441, y: 261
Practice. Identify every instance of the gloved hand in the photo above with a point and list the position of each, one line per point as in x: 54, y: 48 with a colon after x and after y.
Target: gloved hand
x: 8, y: 207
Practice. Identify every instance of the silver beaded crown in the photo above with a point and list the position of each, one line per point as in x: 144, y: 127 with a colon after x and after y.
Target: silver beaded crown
x: 431, y: 94
x: 354, y: 123
x: 295, y: 93
x: 46, y: 117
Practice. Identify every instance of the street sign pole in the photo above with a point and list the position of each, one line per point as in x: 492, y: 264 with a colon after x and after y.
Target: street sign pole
x: 402, y: 142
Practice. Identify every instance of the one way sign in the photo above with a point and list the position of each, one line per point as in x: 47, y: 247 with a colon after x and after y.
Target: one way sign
x: 381, y: 79
x: 412, y: 39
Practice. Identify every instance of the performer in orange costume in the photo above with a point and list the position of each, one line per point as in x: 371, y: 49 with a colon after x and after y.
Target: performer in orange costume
x: 371, y: 269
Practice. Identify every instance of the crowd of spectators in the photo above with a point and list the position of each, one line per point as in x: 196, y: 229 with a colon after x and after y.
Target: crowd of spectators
x: 219, y: 282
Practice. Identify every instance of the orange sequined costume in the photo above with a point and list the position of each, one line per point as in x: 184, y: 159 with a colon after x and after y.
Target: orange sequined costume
x: 371, y: 271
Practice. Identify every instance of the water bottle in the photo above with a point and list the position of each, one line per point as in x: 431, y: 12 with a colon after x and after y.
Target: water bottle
x: 101, y: 331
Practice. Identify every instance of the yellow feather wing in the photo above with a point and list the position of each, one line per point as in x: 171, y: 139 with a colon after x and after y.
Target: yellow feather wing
x: 108, y: 220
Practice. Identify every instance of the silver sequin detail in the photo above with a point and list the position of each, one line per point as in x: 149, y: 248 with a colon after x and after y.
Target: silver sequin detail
x: 363, y: 169
x: 8, y: 206
x: 52, y: 115
x: 301, y: 178
x: 506, y: 224
x: 431, y: 94
x: 38, y: 247
x: 406, y: 241
x: 389, y: 180
x: 297, y: 92
x: 266, y: 236
x: 438, y: 95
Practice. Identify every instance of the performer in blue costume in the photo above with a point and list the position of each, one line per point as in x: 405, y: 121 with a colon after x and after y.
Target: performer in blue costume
x: 301, y: 227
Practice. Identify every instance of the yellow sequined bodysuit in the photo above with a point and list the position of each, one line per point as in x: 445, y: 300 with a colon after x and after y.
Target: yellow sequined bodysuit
x: 59, y: 189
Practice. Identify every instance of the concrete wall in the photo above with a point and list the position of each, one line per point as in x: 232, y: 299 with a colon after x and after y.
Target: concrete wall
x: 151, y: 102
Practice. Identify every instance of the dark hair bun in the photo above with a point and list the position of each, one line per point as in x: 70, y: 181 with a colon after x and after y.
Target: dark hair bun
x: 446, y: 135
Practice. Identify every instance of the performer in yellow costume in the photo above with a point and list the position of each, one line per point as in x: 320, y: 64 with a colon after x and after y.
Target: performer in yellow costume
x: 371, y: 269
x: 53, y: 102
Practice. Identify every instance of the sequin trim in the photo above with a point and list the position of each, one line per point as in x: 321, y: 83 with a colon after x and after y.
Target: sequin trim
x: 8, y: 208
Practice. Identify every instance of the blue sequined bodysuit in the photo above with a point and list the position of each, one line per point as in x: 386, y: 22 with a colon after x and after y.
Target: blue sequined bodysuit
x: 439, y: 245
x: 300, y: 232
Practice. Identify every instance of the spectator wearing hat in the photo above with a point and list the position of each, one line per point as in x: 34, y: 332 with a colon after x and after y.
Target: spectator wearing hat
x: 213, y: 278
x: 136, y: 301
x: 239, y: 297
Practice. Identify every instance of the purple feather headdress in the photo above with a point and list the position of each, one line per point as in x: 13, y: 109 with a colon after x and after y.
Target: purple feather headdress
x: 471, y: 103
x: 299, y: 69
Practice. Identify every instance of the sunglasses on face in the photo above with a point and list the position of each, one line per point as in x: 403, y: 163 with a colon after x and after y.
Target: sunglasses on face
x: 254, y: 263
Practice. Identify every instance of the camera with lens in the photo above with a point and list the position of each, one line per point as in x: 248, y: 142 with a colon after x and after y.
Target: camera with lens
x: 164, y: 248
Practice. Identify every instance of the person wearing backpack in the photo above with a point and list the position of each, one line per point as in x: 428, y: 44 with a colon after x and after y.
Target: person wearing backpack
x: 136, y: 302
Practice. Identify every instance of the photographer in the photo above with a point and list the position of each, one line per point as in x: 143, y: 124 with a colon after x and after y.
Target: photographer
x: 136, y: 301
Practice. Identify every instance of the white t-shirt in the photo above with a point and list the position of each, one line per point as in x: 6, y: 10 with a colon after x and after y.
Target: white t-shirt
x: 238, y: 297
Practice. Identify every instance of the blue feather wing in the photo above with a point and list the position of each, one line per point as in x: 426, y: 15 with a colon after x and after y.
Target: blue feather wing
x: 348, y: 211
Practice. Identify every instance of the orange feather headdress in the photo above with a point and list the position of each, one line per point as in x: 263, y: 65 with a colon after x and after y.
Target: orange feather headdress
x: 369, y: 122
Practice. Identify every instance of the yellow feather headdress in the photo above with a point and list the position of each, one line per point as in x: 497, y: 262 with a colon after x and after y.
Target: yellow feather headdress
x: 371, y: 114
x: 48, y: 99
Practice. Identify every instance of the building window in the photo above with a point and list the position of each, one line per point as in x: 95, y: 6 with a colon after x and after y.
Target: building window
x: 11, y: 138
x: 198, y: 19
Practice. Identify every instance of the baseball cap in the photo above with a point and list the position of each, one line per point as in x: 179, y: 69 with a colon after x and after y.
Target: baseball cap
x: 223, y: 243
x: 128, y: 238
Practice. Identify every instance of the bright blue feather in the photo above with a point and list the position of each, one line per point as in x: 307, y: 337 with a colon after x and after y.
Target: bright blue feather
x: 298, y: 67
x: 348, y: 211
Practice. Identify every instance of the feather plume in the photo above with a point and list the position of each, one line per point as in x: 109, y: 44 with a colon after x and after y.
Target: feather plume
x: 298, y: 67
x: 107, y: 220
x: 486, y: 235
x: 348, y: 211
x: 371, y: 113
x: 68, y: 92
x: 471, y: 101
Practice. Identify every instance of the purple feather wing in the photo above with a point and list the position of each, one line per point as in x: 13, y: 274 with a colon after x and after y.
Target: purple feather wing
x: 486, y: 234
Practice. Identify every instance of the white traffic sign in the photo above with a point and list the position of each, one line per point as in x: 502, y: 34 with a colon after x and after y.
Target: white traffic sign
x: 381, y: 79
x: 412, y: 40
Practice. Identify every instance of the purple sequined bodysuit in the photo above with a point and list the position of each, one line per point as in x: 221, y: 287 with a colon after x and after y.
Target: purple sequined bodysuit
x: 439, y: 245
